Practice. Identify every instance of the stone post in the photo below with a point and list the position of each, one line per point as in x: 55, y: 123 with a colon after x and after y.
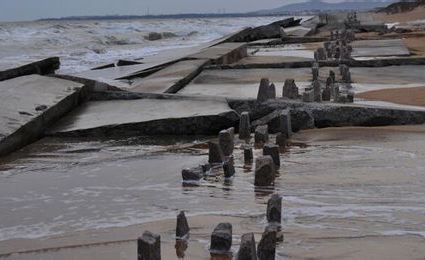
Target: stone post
x: 273, y: 151
x: 182, y: 227
x: 244, y: 126
x: 266, y: 249
x: 225, y: 139
x: 261, y: 134
x: 149, y: 246
x: 247, y: 249
x: 221, y: 239
x: 264, y: 171
x: 215, y: 154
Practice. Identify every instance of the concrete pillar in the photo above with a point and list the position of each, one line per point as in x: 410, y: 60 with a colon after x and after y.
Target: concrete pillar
x: 215, y: 154
x: 248, y: 155
x: 266, y: 249
x: 226, y: 142
x: 264, y: 171
x: 221, y: 239
x: 229, y: 168
x: 266, y: 90
x: 281, y: 139
x: 149, y: 246
x: 285, y: 125
x: 273, y: 151
x: 244, y: 126
x: 247, y: 249
x: 261, y: 134
x: 308, y: 96
x: 290, y: 89
x: 182, y: 226
x: 274, y: 209
x: 317, y: 91
x: 326, y: 94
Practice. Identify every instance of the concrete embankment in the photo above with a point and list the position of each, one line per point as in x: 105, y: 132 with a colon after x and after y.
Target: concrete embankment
x: 30, y: 104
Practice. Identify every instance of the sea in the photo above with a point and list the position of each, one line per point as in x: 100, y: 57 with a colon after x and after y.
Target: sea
x: 82, y: 45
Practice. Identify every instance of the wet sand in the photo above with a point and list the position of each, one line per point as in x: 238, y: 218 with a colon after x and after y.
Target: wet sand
x: 416, y: 14
x: 403, y: 96
x: 348, y: 193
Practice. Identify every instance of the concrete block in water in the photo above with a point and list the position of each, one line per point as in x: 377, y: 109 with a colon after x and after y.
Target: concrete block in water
x: 261, y: 134
x: 308, y: 96
x: 226, y: 141
x: 221, y: 239
x: 332, y: 75
x: 192, y: 174
x: 149, y: 246
x: 272, y: 91
x: 321, y: 54
x: 273, y: 151
x: 281, y: 139
x: 248, y: 155
x: 229, y: 168
x: 317, y: 90
x: 182, y: 226
x: 274, y: 209
x: 244, y: 126
x: 285, y: 125
x: 290, y: 89
x: 215, y: 154
x: 247, y: 250
x: 266, y: 249
x: 326, y: 94
x: 315, y: 72
x: 264, y: 171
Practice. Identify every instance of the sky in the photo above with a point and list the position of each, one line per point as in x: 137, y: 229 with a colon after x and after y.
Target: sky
x: 24, y: 10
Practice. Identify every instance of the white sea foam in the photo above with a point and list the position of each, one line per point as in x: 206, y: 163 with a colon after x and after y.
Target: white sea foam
x: 82, y: 45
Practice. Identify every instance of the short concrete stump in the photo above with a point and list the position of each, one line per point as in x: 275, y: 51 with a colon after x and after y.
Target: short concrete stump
x: 265, y: 171
x: 266, y: 249
x: 266, y: 91
x: 281, y: 139
x: 261, y: 134
x: 317, y: 91
x: 182, y: 226
x: 229, y: 168
x: 226, y: 141
x: 274, y: 209
x: 244, y: 126
x: 248, y: 154
x: 285, y: 125
x: 215, y: 154
x: 149, y: 246
x: 273, y: 151
x: 290, y: 89
x: 221, y: 239
x: 308, y: 96
x: 247, y: 250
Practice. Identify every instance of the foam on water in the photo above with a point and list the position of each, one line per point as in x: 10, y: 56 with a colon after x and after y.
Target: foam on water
x: 82, y: 45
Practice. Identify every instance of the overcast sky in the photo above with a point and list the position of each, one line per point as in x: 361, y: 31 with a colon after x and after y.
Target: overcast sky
x: 16, y: 10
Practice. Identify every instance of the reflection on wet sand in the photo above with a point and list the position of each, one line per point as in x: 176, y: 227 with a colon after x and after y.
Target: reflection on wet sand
x: 347, y: 193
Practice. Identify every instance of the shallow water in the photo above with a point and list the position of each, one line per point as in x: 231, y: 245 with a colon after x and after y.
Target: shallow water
x: 343, y: 182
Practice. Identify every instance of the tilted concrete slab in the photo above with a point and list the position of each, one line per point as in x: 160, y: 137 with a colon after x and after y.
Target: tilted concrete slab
x: 224, y: 53
x: 171, y: 78
x: 147, y: 116
x: 29, y: 104
x: 379, y: 48
x: 42, y: 67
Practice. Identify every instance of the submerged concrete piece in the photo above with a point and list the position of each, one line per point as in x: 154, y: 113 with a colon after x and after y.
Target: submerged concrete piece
x: 182, y: 227
x: 226, y: 141
x: 192, y: 174
x: 149, y: 247
x: 171, y: 78
x: 274, y: 209
x: 376, y: 48
x: 29, y: 105
x: 147, y: 116
x: 215, y: 154
x: 273, y: 151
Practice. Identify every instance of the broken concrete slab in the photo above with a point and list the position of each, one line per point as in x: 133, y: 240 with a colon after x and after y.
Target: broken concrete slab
x: 30, y: 104
x: 377, y: 48
x: 224, y: 53
x: 171, y: 78
x: 147, y: 116
x: 42, y: 67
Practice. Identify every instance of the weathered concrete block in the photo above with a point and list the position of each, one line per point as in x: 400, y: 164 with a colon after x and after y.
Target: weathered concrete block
x: 321, y: 53
x: 248, y: 155
x: 272, y: 91
x: 308, y: 96
x: 221, y: 239
x: 247, y: 250
x: 264, y: 171
x: 285, y: 125
x: 149, y: 246
x: 261, y: 134
x: 182, y: 226
x: 315, y: 72
x: 332, y: 75
x: 290, y: 89
x: 244, y: 126
x: 266, y: 249
x: 229, y: 168
x: 273, y: 151
x: 263, y: 90
x: 281, y: 139
x: 276, y: 227
x: 215, y: 154
x: 326, y: 94
x: 226, y: 142
x: 192, y: 174
x: 274, y: 209
x: 317, y: 90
